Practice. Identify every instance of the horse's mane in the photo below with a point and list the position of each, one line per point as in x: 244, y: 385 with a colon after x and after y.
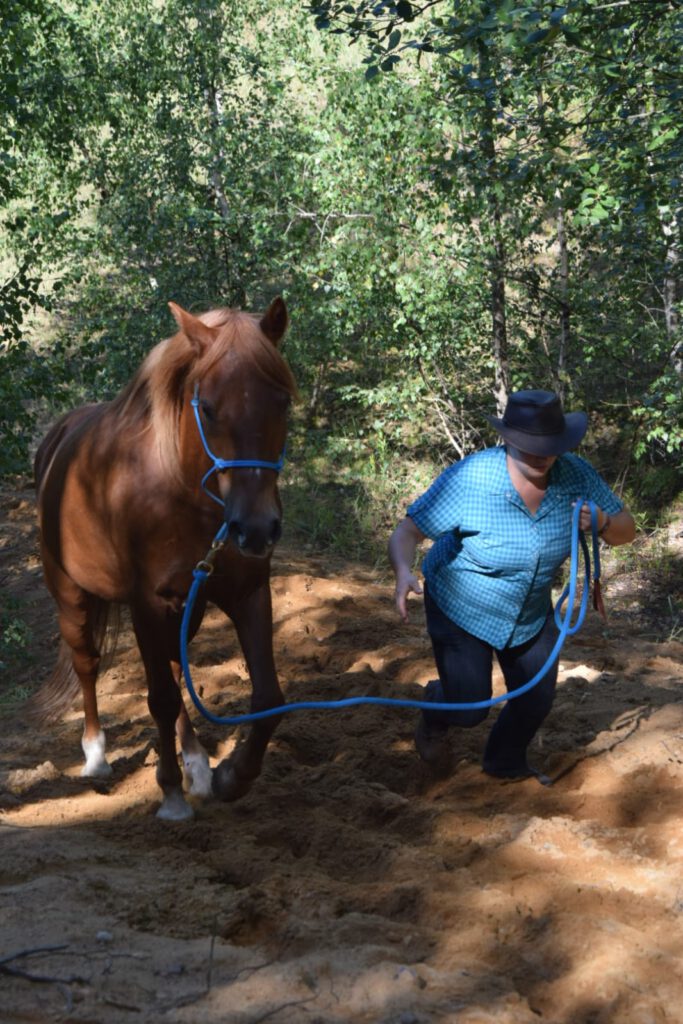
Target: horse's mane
x: 152, y: 400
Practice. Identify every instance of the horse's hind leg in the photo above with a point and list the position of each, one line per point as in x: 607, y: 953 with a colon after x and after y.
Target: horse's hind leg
x: 195, y: 758
x: 196, y: 765
x: 77, y: 611
x: 93, y: 740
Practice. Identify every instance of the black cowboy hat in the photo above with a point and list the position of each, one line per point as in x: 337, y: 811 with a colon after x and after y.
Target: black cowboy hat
x: 534, y: 422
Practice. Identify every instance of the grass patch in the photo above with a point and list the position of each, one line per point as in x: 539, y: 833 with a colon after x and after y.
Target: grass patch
x: 347, y: 496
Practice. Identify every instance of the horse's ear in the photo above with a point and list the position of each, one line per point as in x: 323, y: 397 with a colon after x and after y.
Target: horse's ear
x: 196, y: 332
x: 274, y: 321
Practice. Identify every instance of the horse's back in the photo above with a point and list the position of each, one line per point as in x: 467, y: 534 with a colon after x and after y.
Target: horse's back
x: 73, y: 539
x: 61, y: 437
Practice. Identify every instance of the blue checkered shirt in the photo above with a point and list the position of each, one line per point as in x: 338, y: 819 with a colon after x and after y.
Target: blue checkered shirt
x: 492, y: 564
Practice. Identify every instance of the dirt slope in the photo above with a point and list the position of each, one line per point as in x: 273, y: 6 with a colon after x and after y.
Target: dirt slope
x: 351, y: 885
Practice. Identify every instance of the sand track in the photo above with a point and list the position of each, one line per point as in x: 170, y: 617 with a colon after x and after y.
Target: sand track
x: 351, y: 884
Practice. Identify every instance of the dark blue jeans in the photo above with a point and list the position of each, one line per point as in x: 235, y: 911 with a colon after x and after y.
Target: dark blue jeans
x: 465, y: 664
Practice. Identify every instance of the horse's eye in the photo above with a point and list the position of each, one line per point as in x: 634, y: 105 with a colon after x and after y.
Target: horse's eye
x: 208, y: 411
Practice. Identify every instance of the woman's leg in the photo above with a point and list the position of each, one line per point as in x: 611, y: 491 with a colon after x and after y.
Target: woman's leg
x: 464, y: 665
x: 521, y: 717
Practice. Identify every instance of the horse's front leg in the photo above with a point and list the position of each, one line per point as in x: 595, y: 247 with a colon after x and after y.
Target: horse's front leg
x: 165, y: 703
x: 253, y: 618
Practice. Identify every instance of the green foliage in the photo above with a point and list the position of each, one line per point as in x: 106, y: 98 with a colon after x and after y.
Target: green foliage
x: 25, y: 379
x: 346, y: 495
x: 547, y: 112
x: 14, y: 646
x: 472, y: 198
x: 659, y: 486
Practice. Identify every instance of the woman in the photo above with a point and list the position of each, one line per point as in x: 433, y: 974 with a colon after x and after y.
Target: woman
x: 501, y: 524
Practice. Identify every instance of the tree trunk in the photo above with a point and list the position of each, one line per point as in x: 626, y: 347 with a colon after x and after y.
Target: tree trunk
x: 498, y: 315
x: 670, y: 292
x: 497, y: 259
x: 213, y: 99
x: 563, y: 345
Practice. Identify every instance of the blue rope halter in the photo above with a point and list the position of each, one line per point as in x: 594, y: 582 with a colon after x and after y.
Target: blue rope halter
x: 205, y: 568
x: 220, y: 464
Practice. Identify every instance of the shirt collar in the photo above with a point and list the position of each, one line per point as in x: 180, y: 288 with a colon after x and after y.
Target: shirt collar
x: 552, y: 496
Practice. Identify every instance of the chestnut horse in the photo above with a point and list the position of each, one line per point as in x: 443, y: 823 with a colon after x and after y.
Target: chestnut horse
x: 125, y: 515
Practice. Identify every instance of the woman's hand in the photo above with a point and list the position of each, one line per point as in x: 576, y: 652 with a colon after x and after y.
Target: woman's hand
x: 405, y: 584
x: 585, y: 521
x: 402, y: 547
x: 614, y: 530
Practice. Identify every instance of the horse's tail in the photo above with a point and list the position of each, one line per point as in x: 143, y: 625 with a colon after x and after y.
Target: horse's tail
x: 61, y: 688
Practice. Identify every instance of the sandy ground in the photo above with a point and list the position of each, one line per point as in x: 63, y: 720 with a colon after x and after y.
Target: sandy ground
x: 351, y: 884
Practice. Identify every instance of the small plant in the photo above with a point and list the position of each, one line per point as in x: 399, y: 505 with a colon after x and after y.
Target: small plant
x: 349, y: 494
x: 676, y: 619
x: 14, y: 648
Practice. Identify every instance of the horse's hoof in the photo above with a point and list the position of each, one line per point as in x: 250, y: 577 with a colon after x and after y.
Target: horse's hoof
x: 174, y: 807
x: 227, y: 784
x: 98, y: 770
x: 198, y: 774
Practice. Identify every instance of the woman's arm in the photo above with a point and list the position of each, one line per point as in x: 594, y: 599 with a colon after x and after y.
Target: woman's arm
x: 402, y: 547
x: 614, y: 530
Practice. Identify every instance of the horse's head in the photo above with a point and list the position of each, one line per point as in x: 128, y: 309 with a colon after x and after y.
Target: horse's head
x: 234, y: 420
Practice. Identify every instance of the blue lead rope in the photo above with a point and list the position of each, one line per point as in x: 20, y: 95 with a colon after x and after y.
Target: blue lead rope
x: 204, y: 569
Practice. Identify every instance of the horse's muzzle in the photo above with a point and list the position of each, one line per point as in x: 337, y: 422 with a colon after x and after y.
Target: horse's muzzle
x: 254, y: 538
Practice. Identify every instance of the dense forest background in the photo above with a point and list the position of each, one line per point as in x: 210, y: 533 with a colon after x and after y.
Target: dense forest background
x: 456, y: 198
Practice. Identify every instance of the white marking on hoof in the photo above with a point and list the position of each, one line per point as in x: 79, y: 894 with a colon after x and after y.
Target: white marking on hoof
x: 198, y: 773
x: 96, y: 765
x: 175, y: 807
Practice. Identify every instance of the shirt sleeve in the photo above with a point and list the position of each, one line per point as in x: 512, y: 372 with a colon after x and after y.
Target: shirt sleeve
x: 439, y: 509
x: 594, y: 488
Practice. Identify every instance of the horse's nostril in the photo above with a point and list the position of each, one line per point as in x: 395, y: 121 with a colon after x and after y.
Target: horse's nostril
x: 254, y: 537
x: 236, y: 533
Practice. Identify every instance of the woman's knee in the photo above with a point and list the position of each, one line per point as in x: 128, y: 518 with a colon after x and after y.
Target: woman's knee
x: 468, y: 719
